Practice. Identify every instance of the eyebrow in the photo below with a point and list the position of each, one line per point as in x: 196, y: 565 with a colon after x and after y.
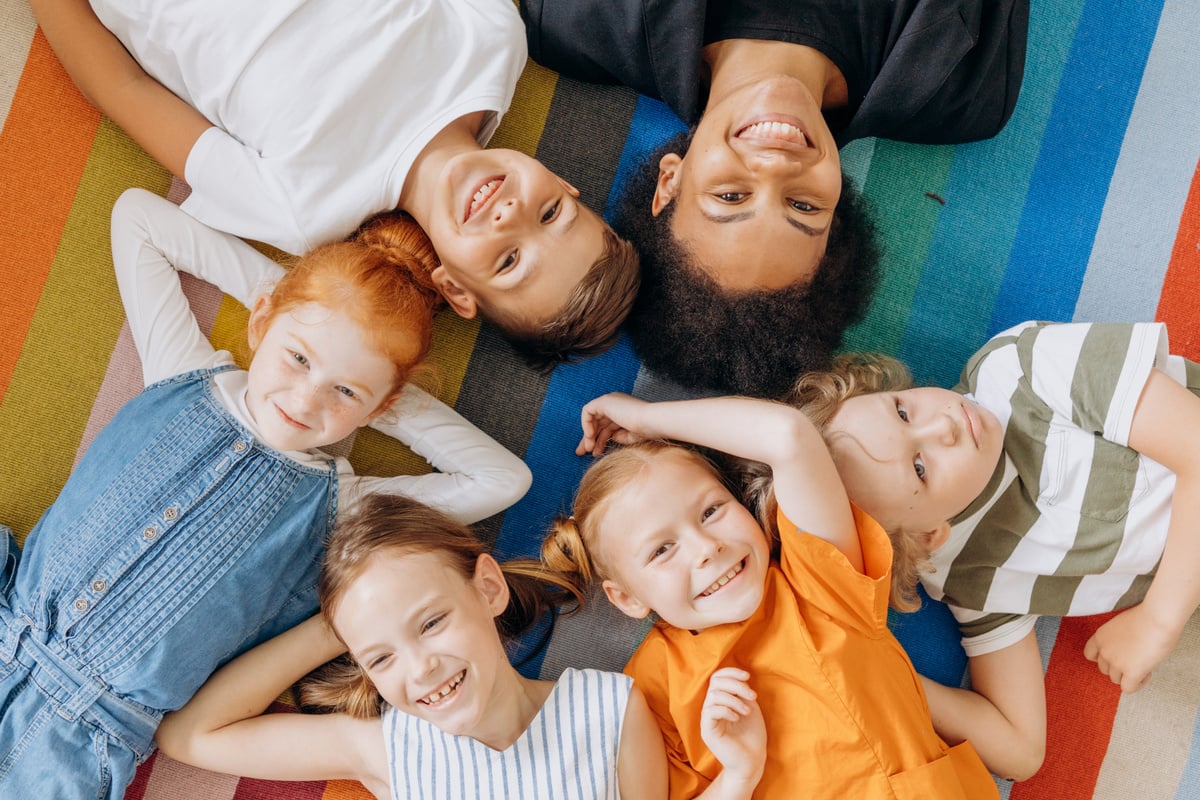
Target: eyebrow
x: 355, y: 385
x: 745, y: 215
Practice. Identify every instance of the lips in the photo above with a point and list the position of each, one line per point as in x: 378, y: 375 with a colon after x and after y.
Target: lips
x: 289, y: 420
x: 972, y: 423
x: 774, y: 131
x: 447, y: 690
x: 722, y: 581
x: 484, y: 193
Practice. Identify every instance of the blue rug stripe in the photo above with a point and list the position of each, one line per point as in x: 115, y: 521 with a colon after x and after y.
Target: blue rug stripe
x: 1075, y: 163
x: 985, y: 194
x: 653, y: 123
x: 1151, y: 181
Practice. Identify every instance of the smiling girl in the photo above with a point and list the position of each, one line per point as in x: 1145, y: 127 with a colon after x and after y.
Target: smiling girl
x: 427, y: 704
x: 193, y: 526
x: 803, y: 629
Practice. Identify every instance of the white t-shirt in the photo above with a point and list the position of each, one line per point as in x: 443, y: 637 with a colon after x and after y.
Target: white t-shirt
x: 153, y: 241
x: 319, y: 106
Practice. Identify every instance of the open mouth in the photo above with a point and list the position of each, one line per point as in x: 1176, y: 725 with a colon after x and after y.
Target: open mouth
x: 448, y: 690
x: 720, y: 582
x: 775, y: 131
x: 483, y: 194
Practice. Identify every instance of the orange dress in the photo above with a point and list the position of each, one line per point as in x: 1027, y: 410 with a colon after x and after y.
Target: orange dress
x: 845, y: 713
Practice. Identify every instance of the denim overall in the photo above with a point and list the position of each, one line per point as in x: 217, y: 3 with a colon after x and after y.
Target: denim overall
x: 177, y: 543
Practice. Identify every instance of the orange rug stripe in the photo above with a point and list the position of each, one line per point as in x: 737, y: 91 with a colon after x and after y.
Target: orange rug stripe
x: 1181, y: 285
x: 45, y: 100
x: 1081, y: 706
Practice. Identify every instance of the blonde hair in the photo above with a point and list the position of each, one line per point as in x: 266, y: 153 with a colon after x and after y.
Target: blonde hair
x: 571, y: 547
x: 819, y: 395
x: 590, y: 321
x: 398, y: 525
x: 380, y: 278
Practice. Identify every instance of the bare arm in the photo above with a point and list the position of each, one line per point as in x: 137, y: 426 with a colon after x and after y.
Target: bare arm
x: 807, y: 485
x: 108, y: 76
x: 641, y: 758
x: 223, y: 727
x: 1004, y: 717
x: 1130, y: 646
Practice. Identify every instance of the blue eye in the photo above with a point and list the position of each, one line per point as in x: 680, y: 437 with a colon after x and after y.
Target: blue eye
x: 300, y: 358
x: 901, y: 412
x: 347, y: 391
x: 919, y: 468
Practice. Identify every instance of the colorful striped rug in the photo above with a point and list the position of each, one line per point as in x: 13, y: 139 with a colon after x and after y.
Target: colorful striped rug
x: 1086, y: 207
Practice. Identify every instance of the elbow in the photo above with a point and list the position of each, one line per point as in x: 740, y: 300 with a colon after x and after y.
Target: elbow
x: 1023, y: 761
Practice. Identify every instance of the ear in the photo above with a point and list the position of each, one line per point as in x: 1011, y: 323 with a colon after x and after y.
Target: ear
x: 489, y: 580
x: 458, y: 298
x: 668, y: 182
x: 938, y: 536
x: 260, y: 312
x: 571, y: 190
x: 386, y: 405
x: 626, y: 603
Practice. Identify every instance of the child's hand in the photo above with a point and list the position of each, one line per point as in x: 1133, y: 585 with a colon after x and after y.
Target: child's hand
x: 611, y: 416
x: 1130, y: 646
x: 732, y: 726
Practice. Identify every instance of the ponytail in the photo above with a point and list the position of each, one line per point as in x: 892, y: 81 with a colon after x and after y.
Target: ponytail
x: 565, y: 553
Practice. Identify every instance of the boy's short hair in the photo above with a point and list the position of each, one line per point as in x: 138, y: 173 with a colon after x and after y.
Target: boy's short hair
x: 690, y: 329
x: 590, y: 321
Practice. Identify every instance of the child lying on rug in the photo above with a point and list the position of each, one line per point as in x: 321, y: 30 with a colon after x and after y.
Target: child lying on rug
x: 1055, y: 479
x: 806, y: 635
x: 424, y: 611
x: 293, y: 121
x: 192, y: 528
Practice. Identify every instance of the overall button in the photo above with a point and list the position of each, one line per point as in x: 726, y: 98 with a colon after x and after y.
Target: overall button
x: 81, y: 605
x: 99, y: 585
x: 239, y: 446
x: 171, y: 513
x: 150, y: 533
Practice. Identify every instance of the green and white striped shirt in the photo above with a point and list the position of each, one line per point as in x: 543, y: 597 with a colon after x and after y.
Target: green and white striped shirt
x: 1073, y: 521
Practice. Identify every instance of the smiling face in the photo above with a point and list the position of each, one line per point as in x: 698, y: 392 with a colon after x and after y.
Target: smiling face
x: 314, y: 378
x: 511, y: 236
x: 676, y: 542
x: 914, y: 459
x: 754, y: 196
x: 426, y: 637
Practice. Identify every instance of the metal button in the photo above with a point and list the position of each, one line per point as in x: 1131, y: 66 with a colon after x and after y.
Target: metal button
x: 171, y: 513
x: 99, y: 585
x: 81, y: 605
x: 239, y: 445
x: 150, y: 533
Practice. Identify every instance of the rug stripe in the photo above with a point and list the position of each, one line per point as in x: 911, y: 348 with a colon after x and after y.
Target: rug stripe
x: 44, y: 144
x: 1189, y: 782
x: 1070, y: 181
x: 1181, y: 286
x: 1070, y: 772
x: 1155, y: 728
x: 56, y: 379
x: 17, y: 27
x: 653, y: 122
x: 1150, y: 183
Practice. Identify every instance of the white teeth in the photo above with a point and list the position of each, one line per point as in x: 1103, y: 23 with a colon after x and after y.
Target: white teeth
x: 774, y: 130
x: 724, y: 579
x: 450, y: 686
x: 483, y: 193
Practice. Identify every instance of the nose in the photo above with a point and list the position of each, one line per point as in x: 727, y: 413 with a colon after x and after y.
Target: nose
x: 706, y: 546
x: 942, y: 429
x: 506, y: 211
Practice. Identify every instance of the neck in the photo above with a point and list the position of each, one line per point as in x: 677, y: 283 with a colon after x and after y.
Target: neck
x: 514, y: 704
x: 457, y: 137
x: 734, y: 63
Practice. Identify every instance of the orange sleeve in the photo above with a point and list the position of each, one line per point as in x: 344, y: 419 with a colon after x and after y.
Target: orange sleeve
x: 824, y: 578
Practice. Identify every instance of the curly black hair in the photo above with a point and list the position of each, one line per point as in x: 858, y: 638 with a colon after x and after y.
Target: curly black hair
x: 688, y: 328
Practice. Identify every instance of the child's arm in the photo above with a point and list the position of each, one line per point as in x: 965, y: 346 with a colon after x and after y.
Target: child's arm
x: 732, y: 726
x: 1131, y: 645
x: 164, y: 125
x: 476, y: 476
x: 807, y: 485
x: 1004, y: 717
x: 152, y: 242
x: 641, y: 757
x: 223, y: 728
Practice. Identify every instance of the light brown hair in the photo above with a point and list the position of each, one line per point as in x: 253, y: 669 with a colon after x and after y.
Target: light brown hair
x: 398, y: 525
x: 590, y: 321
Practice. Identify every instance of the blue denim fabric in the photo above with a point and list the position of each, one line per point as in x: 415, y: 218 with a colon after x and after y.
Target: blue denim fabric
x: 177, y: 543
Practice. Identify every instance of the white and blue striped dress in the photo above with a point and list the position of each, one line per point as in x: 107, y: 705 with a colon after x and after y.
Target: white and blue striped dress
x: 568, y: 752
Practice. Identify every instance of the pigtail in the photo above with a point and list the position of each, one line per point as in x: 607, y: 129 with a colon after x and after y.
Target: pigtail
x: 533, y: 591
x: 565, y: 553
x: 403, y: 243
x: 339, y: 687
